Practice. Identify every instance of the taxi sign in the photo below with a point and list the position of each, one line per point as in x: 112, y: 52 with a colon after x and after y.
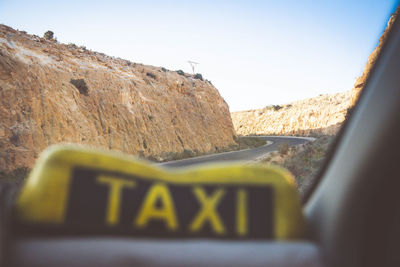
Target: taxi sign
x: 76, y: 189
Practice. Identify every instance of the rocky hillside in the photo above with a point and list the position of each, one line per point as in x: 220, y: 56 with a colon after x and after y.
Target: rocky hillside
x: 360, y: 82
x: 319, y: 115
x: 52, y: 93
x: 322, y: 115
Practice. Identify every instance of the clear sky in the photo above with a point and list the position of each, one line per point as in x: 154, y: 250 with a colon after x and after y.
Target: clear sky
x: 255, y: 52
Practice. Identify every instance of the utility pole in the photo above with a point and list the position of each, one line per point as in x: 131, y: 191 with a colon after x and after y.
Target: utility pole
x: 193, y: 64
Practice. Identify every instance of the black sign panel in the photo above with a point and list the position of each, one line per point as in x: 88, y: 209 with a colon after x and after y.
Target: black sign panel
x: 107, y: 202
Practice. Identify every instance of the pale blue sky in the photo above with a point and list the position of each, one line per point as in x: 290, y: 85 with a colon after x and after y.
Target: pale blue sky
x: 255, y: 52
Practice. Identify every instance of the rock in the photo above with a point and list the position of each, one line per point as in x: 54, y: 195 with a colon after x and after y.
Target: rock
x: 67, y: 96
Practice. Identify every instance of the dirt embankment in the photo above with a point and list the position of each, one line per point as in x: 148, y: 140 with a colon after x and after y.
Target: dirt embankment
x: 52, y: 93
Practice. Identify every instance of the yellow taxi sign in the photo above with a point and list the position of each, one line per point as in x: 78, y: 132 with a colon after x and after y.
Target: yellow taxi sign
x: 78, y: 189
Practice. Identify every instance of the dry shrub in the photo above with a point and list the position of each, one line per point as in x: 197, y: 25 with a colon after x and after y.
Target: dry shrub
x: 283, y: 148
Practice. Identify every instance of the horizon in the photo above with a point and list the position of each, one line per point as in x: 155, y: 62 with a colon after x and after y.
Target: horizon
x: 311, y: 52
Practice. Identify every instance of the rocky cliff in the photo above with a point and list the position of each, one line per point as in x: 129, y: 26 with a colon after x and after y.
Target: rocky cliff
x: 52, y: 93
x: 319, y: 115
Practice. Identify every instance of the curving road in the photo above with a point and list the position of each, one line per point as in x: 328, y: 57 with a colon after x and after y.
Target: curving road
x: 242, y: 155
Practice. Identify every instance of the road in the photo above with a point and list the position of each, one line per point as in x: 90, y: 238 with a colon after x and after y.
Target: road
x: 242, y: 155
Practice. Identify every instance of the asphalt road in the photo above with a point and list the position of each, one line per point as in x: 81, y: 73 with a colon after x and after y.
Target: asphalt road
x: 242, y: 155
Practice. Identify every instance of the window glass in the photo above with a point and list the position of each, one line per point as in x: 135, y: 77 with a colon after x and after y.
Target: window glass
x: 172, y: 80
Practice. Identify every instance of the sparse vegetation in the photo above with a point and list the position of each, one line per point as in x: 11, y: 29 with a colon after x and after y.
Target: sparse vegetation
x: 49, y: 35
x: 180, y: 72
x: 80, y: 84
x: 303, y: 161
x: 151, y: 75
x: 274, y: 107
x: 163, y: 69
x: 72, y: 45
x: 186, y: 153
x: 245, y: 142
x: 283, y: 148
x: 198, y: 76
